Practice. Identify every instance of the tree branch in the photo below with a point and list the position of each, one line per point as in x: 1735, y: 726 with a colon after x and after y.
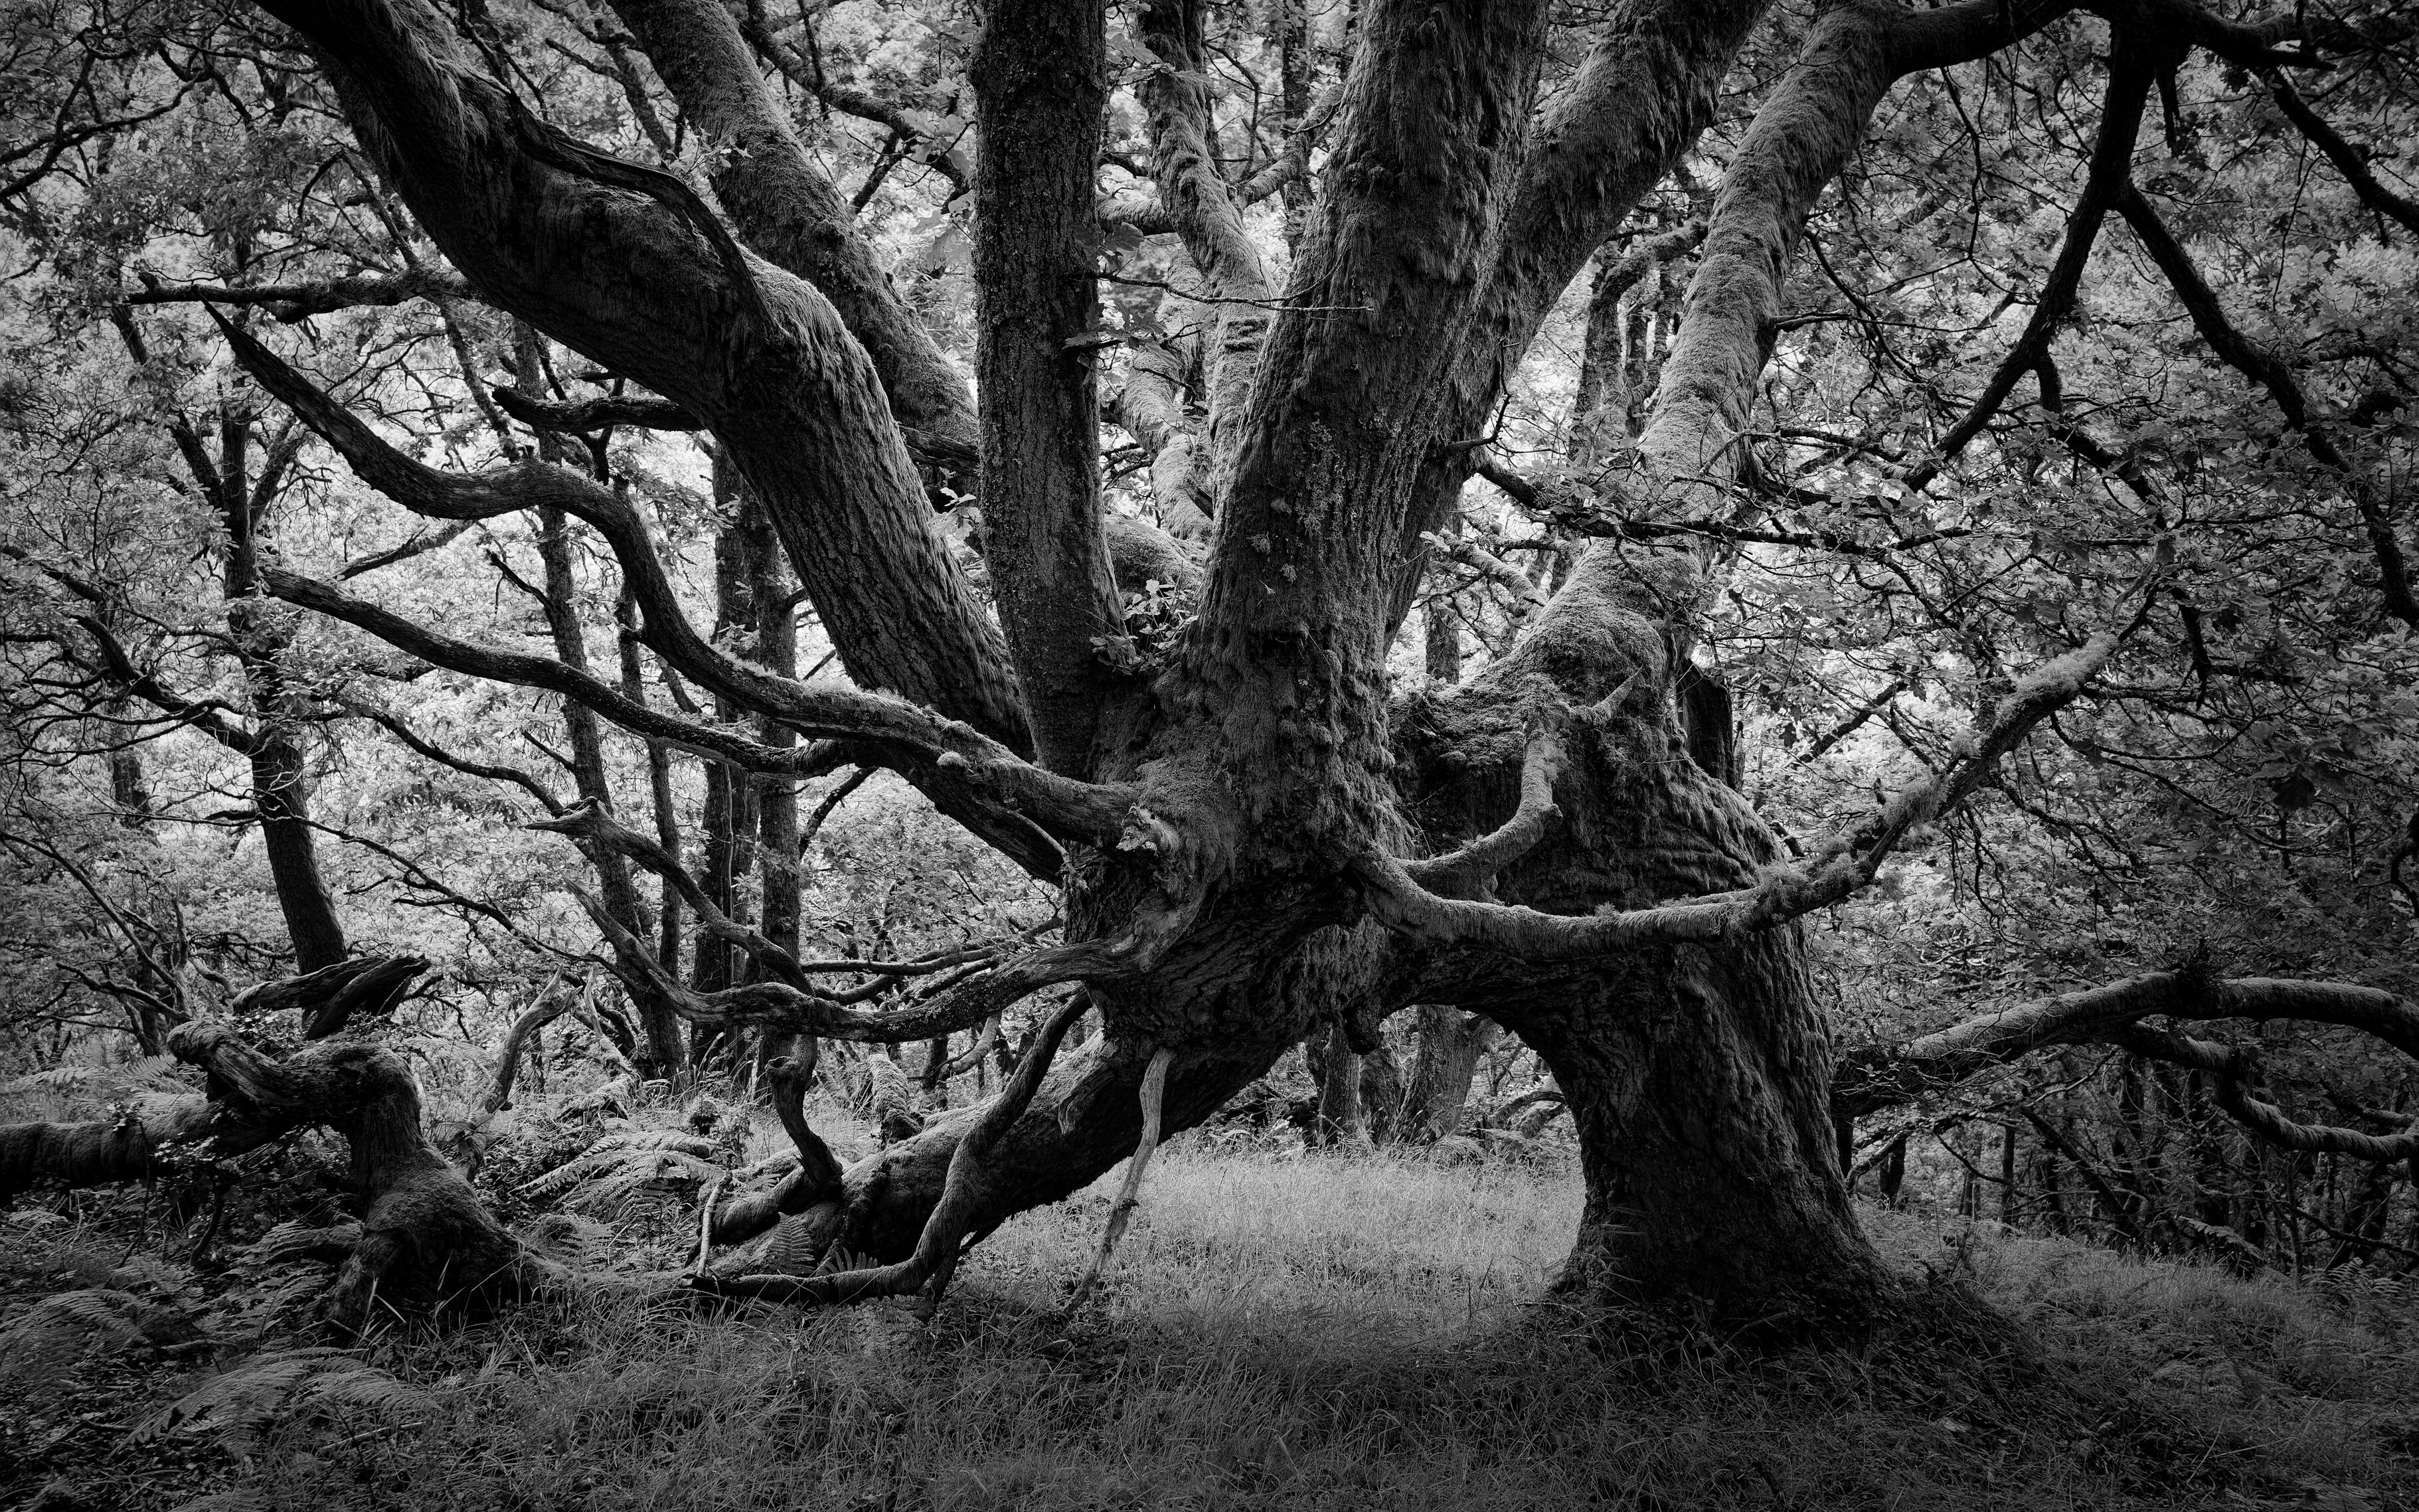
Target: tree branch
x: 1831, y: 872
x: 2270, y: 372
x: 552, y: 232
x: 295, y: 302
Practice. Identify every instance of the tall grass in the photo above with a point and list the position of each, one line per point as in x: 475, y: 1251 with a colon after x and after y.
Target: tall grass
x: 1292, y: 1331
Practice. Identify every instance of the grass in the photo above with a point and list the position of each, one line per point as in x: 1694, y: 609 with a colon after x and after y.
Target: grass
x: 1284, y: 1332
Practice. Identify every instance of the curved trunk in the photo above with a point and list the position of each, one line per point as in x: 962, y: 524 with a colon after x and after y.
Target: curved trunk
x: 1698, y: 1076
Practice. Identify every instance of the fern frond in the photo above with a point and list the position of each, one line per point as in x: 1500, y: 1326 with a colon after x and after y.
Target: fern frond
x: 49, y: 1337
x: 568, y: 1239
x: 152, y: 1073
x: 238, y: 1401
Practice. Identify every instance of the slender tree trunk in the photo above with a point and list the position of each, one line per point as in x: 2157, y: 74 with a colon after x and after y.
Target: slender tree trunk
x: 659, y: 793
x: 777, y: 798
x: 281, y: 789
x: 666, y: 1041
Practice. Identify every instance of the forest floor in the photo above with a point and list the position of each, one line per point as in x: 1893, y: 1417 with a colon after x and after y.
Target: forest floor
x: 1278, y: 1331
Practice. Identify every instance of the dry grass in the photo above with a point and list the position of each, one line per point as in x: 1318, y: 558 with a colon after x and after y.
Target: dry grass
x: 1289, y: 1332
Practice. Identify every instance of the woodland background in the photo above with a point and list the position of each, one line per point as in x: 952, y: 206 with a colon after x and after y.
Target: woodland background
x: 167, y: 164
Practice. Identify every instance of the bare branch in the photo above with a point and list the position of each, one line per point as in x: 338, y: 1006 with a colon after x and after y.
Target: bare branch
x: 966, y: 1194
x: 2112, y: 162
x: 1154, y: 1091
x: 1469, y: 868
x: 2270, y: 372
x: 583, y: 415
x: 2351, y: 161
x: 295, y: 302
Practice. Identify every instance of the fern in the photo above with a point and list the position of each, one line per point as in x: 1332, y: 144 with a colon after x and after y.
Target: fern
x: 235, y: 1404
x: 619, y: 1165
x: 294, y: 1241
x: 53, y: 1331
x: 152, y: 1073
x: 568, y: 1239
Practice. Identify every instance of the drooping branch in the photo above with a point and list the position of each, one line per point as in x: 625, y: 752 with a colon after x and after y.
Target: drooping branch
x: 2272, y: 373
x: 2130, y: 73
x: 2349, y: 160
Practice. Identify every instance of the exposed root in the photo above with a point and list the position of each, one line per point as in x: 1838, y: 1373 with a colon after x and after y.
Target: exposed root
x: 161, y: 1133
x: 427, y: 1239
x: 815, y: 1179
x: 966, y: 1202
x: 1154, y: 1088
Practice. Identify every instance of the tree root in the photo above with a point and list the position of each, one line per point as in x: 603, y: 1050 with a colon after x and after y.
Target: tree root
x: 1154, y: 1089
x: 425, y: 1238
x: 966, y: 1202
x: 816, y: 1177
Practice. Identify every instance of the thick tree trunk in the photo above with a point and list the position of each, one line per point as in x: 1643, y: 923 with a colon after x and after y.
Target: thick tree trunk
x: 1698, y: 1075
x: 1040, y: 75
x: 1451, y: 1042
x: 1341, y: 1120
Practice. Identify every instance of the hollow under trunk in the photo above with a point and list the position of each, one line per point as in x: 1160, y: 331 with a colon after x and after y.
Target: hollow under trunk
x: 1698, y: 1076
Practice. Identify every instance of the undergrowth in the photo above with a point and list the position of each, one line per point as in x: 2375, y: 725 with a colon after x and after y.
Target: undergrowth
x: 1278, y: 1331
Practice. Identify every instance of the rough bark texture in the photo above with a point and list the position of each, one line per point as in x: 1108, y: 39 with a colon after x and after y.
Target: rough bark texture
x: 1451, y: 1043
x: 1040, y: 75
x: 281, y: 788
x: 1696, y: 1076
x: 424, y: 1236
x: 634, y: 282
x: 787, y: 209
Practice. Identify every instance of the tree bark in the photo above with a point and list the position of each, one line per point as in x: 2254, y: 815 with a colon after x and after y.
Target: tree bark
x: 1041, y: 74
x: 1451, y: 1042
x: 281, y: 788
